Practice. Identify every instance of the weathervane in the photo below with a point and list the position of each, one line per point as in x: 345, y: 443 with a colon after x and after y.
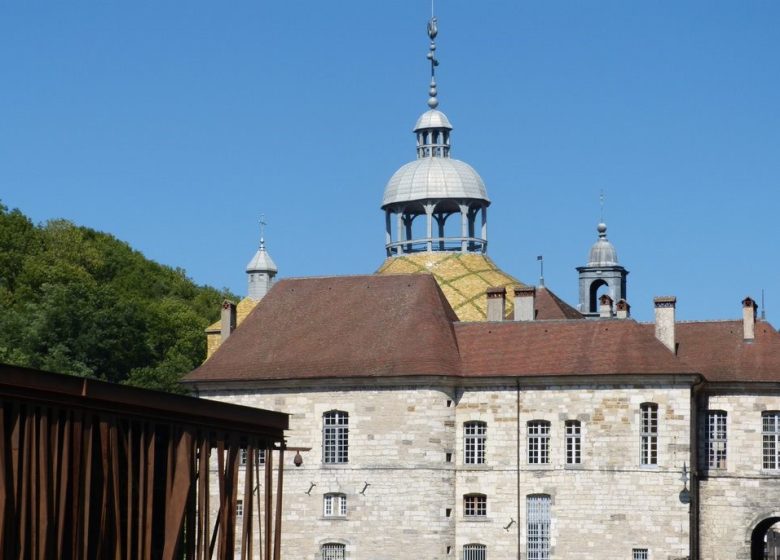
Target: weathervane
x: 433, y: 30
x: 263, y: 223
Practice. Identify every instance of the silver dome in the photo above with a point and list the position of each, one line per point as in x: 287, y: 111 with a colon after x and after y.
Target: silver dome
x: 432, y: 119
x: 432, y: 178
x: 602, y: 253
x: 262, y: 261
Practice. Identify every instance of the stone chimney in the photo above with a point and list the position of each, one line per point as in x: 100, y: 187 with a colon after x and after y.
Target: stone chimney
x: 496, y: 304
x: 228, y: 319
x: 664, y: 321
x: 623, y: 309
x: 605, y: 307
x: 749, y: 311
x: 525, y: 304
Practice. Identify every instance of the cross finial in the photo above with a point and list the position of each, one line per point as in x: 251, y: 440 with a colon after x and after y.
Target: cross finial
x: 263, y: 223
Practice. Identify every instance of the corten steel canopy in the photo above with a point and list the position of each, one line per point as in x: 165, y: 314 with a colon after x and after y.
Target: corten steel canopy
x: 95, y: 470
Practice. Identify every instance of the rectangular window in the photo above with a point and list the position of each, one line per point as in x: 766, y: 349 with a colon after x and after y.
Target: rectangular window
x: 475, y: 505
x: 335, y: 437
x: 474, y: 437
x: 640, y: 554
x: 475, y: 552
x: 771, y: 433
x: 334, y: 505
x: 538, y: 442
x: 538, y: 530
x: 648, y: 434
x: 332, y: 551
x: 716, y: 439
x: 259, y: 457
x: 240, y: 508
x: 573, y: 442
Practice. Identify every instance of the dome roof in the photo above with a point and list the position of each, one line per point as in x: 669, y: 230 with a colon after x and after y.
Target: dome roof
x: 434, y: 177
x: 262, y: 261
x: 602, y: 253
x: 432, y: 119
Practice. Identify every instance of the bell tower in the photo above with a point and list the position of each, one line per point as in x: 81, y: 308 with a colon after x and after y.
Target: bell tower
x: 602, y: 274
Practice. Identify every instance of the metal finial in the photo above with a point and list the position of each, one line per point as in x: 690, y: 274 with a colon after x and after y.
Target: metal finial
x: 433, y: 31
x: 263, y: 223
x: 601, y: 204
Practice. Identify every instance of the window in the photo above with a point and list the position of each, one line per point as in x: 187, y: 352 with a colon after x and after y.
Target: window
x: 332, y: 551
x: 335, y: 505
x: 474, y: 436
x: 538, y: 535
x: 716, y: 439
x: 259, y: 457
x: 474, y: 552
x: 648, y: 434
x: 771, y: 431
x: 538, y: 442
x: 475, y: 505
x: 640, y: 554
x: 573, y: 442
x: 335, y: 437
x: 240, y: 508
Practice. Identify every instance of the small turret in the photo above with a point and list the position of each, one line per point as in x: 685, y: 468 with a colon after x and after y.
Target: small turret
x: 602, y: 270
x: 260, y: 271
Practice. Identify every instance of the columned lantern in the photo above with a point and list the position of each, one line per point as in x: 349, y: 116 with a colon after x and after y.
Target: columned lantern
x: 435, y: 203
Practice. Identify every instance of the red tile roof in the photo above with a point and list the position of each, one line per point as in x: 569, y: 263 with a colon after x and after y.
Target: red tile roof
x: 343, y: 326
x: 718, y: 351
x: 550, y: 306
x: 535, y: 348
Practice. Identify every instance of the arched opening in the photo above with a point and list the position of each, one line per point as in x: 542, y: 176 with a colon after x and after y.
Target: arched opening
x: 597, y: 289
x: 765, y: 540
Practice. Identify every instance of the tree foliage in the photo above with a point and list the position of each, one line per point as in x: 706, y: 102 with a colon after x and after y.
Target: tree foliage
x: 78, y: 301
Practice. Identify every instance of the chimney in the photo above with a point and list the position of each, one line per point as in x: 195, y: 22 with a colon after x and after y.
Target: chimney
x: 749, y: 310
x: 605, y: 307
x: 525, y: 304
x: 496, y: 304
x: 664, y: 320
x: 623, y: 309
x: 228, y: 318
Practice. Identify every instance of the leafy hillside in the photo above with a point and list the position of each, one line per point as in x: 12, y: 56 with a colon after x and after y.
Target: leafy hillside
x: 75, y: 300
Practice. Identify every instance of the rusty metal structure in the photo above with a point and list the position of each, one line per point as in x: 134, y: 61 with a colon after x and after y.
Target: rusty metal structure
x: 94, y: 470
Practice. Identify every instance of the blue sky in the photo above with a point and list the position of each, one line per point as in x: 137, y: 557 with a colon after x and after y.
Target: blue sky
x: 173, y: 126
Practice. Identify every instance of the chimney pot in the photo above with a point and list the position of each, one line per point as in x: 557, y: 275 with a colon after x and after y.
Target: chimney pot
x: 605, y: 307
x: 496, y: 303
x: 665, y: 307
x: 228, y: 319
x: 749, y: 311
x: 525, y: 303
x: 623, y: 309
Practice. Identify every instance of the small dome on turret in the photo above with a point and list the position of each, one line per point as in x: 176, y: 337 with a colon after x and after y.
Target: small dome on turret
x: 432, y: 119
x: 602, y: 253
x: 262, y: 261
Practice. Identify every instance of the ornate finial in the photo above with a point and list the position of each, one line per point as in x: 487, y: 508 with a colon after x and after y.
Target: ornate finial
x: 433, y: 30
x: 601, y: 204
x: 263, y: 223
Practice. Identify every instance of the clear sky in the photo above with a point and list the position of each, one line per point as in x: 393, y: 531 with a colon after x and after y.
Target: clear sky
x: 174, y: 125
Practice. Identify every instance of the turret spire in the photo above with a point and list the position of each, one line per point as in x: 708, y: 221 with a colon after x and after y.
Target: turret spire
x: 261, y: 270
x: 433, y: 30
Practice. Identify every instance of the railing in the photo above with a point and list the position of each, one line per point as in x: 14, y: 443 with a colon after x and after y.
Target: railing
x: 437, y: 244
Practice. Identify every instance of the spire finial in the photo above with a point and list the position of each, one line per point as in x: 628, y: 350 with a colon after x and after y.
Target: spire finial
x: 433, y: 30
x: 601, y: 204
x: 263, y: 223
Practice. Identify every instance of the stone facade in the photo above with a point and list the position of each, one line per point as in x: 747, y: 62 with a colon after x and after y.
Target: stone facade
x: 407, y: 443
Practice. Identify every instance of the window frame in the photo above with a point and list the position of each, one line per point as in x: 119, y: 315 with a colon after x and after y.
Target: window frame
x: 573, y: 442
x: 538, y: 442
x: 770, y: 441
x: 474, y: 442
x: 648, y: 434
x: 333, y: 551
x: 474, y: 551
x: 336, y: 502
x: 640, y: 553
x: 538, y: 526
x: 717, y: 439
x: 475, y: 506
x: 335, y: 437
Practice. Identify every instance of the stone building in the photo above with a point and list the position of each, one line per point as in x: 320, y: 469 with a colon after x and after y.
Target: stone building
x: 453, y: 412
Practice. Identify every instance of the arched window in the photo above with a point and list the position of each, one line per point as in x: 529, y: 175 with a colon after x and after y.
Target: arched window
x: 474, y: 438
x: 538, y: 442
x: 335, y: 437
x: 474, y: 552
x: 648, y: 434
x: 332, y: 551
x: 474, y: 505
x: 334, y: 505
x: 538, y: 527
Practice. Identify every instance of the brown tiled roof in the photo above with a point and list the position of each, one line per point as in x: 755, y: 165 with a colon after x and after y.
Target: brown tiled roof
x: 718, y: 351
x: 535, y: 348
x: 550, y: 306
x: 341, y: 327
